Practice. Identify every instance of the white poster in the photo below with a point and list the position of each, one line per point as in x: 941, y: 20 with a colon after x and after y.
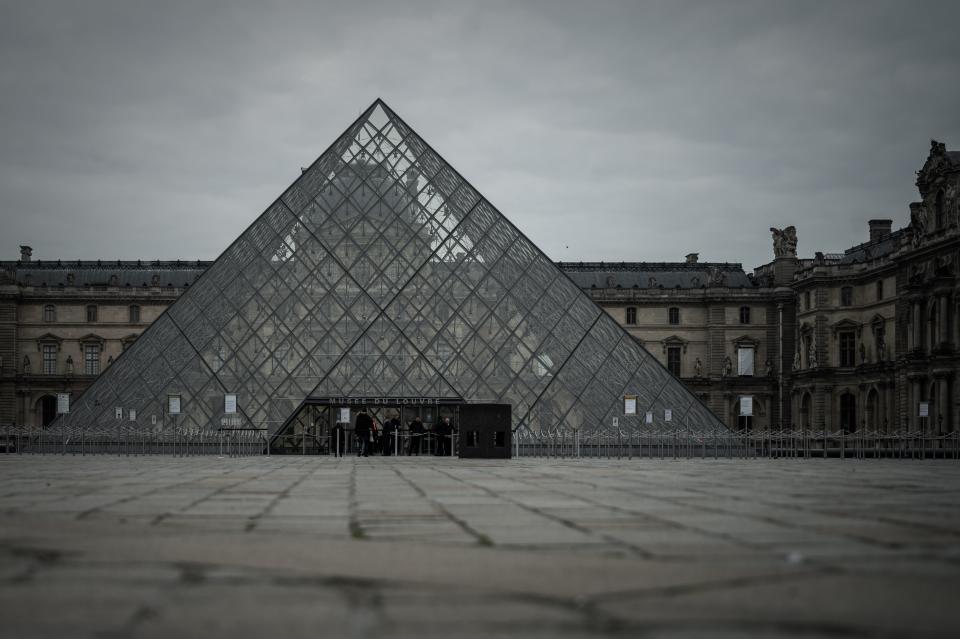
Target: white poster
x: 173, y: 404
x: 924, y: 409
x: 132, y: 414
x: 746, y: 406
x: 344, y: 415
x: 230, y: 403
x: 649, y: 419
x: 118, y: 412
x: 667, y: 415
x: 629, y: 404
x: 63, y: 403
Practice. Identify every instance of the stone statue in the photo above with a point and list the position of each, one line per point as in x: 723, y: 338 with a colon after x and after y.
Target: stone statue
x: 110, y: 360
x: 727, y: 366
x: 784, y: 242
x: 918, y: 221
x: 155, y: 280
x: 26, y: 364
x: 796, y: 360
x: 863, y: 354
x: 69, y: 364
x: 697, y: 368
x: 881, y: 349
x: 716, y: 277
x: 812, y: 357
x: 768, y: 367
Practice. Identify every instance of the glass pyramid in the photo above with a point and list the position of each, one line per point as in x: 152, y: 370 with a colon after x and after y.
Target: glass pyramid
x: 381, y: 272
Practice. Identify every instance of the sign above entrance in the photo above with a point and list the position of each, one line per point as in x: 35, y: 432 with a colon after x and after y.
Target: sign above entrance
x: 388, y: 401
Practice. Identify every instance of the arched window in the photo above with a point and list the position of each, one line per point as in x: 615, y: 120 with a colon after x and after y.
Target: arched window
x: 848, y: 412
x: 631, y: 315
x: 49, y: 313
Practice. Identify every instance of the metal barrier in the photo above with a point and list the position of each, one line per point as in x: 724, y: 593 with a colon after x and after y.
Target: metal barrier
x: 648, y: 443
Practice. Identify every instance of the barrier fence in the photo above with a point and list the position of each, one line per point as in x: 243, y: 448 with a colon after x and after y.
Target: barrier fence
x: 603, y: 444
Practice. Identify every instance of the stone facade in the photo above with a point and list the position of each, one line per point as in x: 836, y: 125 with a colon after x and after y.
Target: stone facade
x: 838, y: 341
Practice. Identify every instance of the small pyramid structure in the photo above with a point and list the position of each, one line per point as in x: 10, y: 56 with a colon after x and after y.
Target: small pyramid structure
x: 381, y: 272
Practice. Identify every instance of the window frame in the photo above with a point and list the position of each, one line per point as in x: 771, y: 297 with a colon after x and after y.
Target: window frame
x: 879, y: 289
x: 753, y: 360
x: 745, y: 315
x: 91, y: 358
x: 675, y: 360
x: 48, y: 365
x: 673, y: 315
x: 847, y: 348
x: 133, y: 314
x: 93, y: 312
x: 846, y: 296
x: 49, y: 313
x: 630, y: 316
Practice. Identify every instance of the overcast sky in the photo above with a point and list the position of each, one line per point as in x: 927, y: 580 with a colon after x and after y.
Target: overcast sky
x: 604, y: 130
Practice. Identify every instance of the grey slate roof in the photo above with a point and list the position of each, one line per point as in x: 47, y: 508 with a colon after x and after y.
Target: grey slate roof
x: 647, y: 275
x: 133, y: 273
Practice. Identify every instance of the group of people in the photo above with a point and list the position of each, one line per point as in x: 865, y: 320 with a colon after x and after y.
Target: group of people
x: 386, y: 439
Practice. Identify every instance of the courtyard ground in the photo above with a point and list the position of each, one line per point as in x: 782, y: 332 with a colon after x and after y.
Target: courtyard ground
x: 287, y: 547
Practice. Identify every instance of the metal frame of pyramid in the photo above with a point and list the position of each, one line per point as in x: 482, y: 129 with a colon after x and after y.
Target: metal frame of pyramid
x: 382, y: 272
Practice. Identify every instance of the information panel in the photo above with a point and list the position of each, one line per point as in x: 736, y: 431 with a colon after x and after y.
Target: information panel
x: 63, y: 403
x: 629, y: 404
x: 173, y: 404
x: 230, y: 403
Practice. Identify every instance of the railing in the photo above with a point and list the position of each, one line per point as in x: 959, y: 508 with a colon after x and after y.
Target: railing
x: 776, y: 444
x: 653, y: 443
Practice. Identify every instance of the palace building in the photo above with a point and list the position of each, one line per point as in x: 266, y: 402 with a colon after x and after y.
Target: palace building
x: 381, y: 274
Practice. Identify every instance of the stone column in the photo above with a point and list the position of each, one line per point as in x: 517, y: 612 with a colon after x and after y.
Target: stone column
x: 942, y: 307
x: 913, y: 400
x: 911, y: 328
x: 943, y: 405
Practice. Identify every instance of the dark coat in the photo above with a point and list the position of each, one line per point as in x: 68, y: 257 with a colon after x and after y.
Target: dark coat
x: 363, y: 424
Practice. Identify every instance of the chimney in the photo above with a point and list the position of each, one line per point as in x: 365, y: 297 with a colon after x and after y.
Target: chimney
x: 879, y: 229
x: 25, y: 253
x: 692, y: 258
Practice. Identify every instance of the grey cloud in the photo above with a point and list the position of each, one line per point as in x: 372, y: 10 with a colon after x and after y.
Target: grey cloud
x: 622, y: 130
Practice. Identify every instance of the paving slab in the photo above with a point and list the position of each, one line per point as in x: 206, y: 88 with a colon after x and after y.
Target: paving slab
x: 155, y: 546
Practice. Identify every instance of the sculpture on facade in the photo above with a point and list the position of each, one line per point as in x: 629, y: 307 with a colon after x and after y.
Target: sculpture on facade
x: 768, y: 368
x: 69, y: 364
x: 26, y: 364
x: 796, y: 360
x: 918, y: 221
x: 697, y: 368
x: 863, y: 354
x: 812, y: 357
x: 727, y: 366
x: 784, y: 241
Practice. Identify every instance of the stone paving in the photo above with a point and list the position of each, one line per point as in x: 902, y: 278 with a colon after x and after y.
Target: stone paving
x: 110, y: 547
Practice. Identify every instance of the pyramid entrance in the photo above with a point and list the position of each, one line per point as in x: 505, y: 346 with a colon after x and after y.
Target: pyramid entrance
x: 382, y: 273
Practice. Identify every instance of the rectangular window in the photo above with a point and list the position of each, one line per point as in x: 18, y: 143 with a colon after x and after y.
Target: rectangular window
x: 91, y: 359
x: 49, y: 313
x: 134, y: 314
x: 631, y: 315
x: 745, y: 361
x: 846, y: 296
x: 91, y: 313
x: 806, y: 300
x: 673, y: 360
x: 847, y: 348
x: 674, y: 315
x: 744, y: 314
x: 49, y: 359
x: 879, y: 290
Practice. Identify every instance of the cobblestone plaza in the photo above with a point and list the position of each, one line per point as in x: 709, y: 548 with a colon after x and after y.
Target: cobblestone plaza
x: 432, y: 547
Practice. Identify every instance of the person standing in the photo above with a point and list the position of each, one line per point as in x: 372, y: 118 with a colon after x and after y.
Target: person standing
x: 416, y: 437
x: 444, y: 431
x: 363, y: 428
